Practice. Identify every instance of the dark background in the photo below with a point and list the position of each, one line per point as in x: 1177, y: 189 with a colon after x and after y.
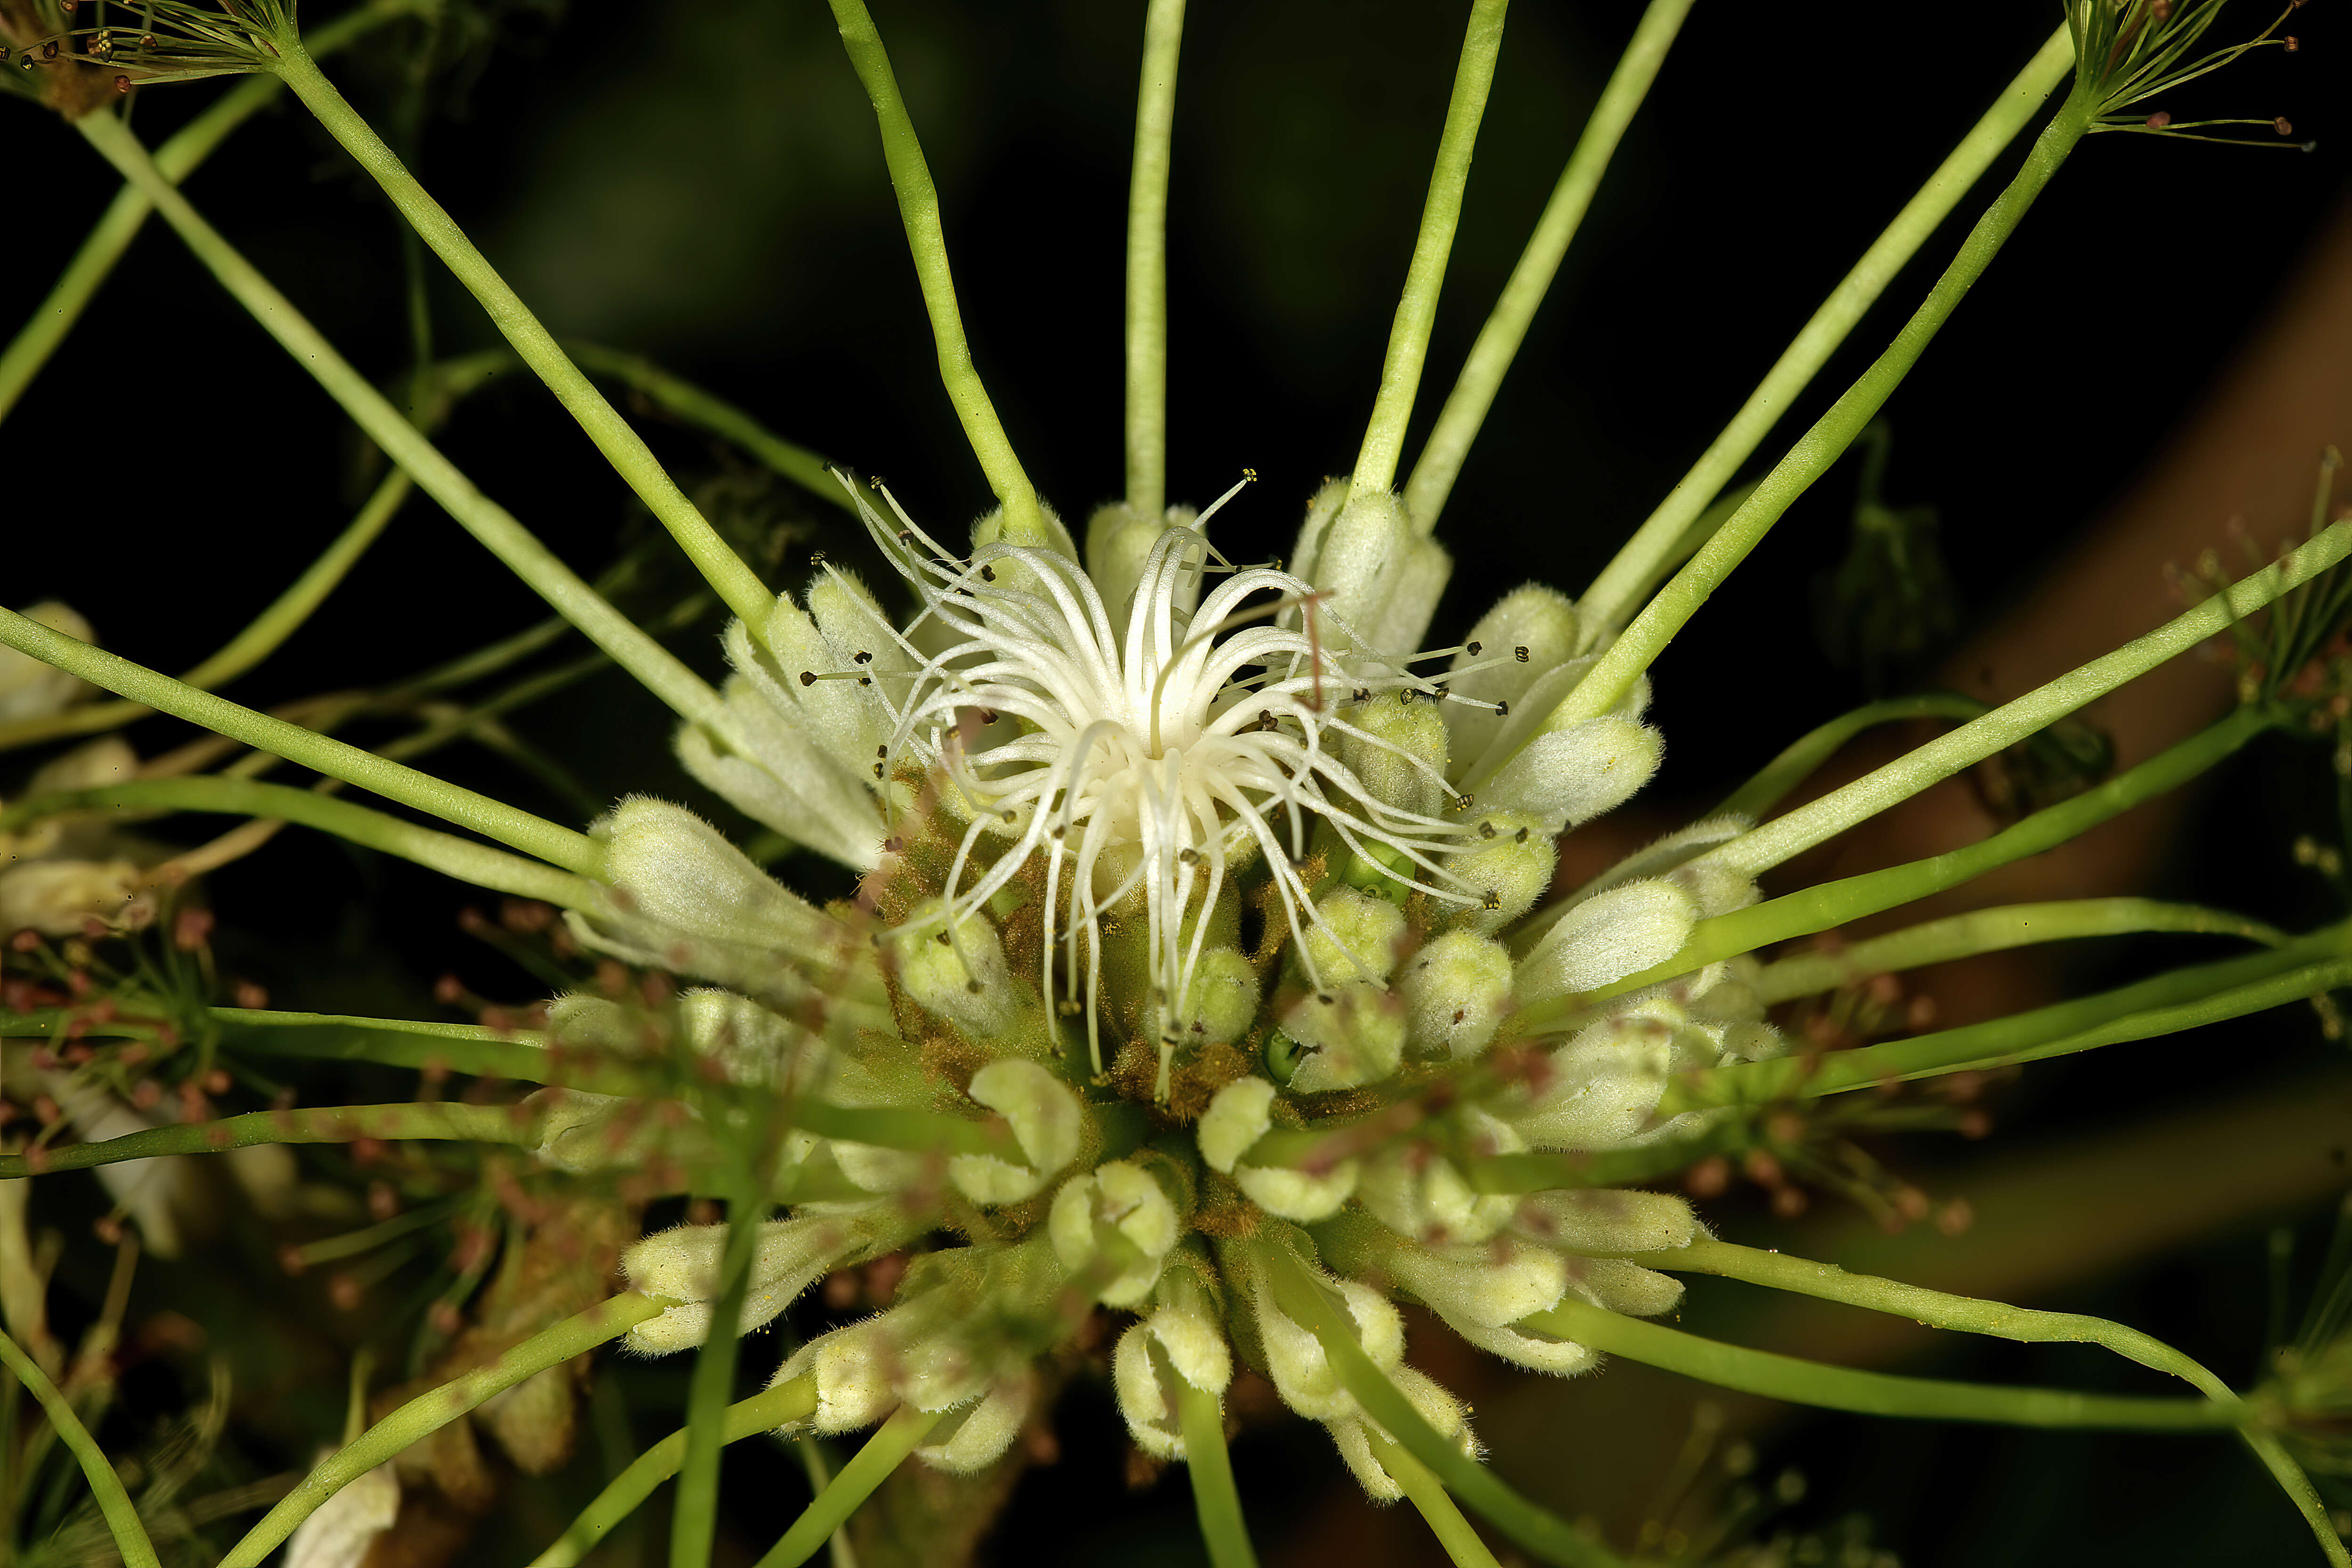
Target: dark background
x: 702, y: 184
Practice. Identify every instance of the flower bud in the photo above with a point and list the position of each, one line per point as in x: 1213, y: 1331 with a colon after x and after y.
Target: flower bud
x: 1448, y: 1414
x: 1419, y: 584
x: 1542, y: 622
x: 1294, y: 1357
x: 683, y: 1264
x: 1603, y: 1085
x: 1456, y: 991
x: 1238, y: 1116
x: 1487, y: 1284
x: 580, y: 1131
x: 1043, y: 531
x: 1507, y: 865
x: 1355, y: 936
x: 1569, y: 775
x: 1606, y: 938
x: 1119, y: 1199
x: 1046, y: 1121
x: 1420, y: 1194
x: 1362, y: 556
x: 343, y: 1531
x: 57, y: 897
x: 782, y: 761
x: 850, y: 1368
x: 1357, y: 1036
x: 978, y: 1435
x: 1322, y: 511
x: 1181, y: 1341
x: 30, y: 689
x: 1118, y: 543
x: 1305, y: 1196
x: 1623, y: 1287
x: 1223, y: 1002
x: 1395, y: 744
x: 965, y: 981
x: 1606, y: 1219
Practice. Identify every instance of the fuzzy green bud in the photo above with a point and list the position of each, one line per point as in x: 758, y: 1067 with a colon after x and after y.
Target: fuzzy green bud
x: 1355, y: 936
x: 1530, y: 632
x: 1456, y: 991
x: 1606, y: 938
x: 977, y: 1436
x: 964, y: 977
x: 1353, y: 1034
x: 1363, y: 556
x: 683, y: 1263
x: 1507, y: 864
x: 1118, y: 543
x: 1048, y: 1123
x: 1396, y: 744
x: 1181, y: 1341
x: 1448, y: 1415
x: 1223, y: 1000
x: 1570, y: 775
x: 1120, y: 1205
x: 1424, y: 1196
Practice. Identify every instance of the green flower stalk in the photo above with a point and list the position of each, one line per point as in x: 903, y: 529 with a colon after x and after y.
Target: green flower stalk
x: 1200, y: 977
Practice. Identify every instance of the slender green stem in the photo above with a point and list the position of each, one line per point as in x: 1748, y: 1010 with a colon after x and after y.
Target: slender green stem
x: 2164, y: 1004
x: 1611, y: 599
x: 1463, y: 1548
x: 394, y: 780
x: 1806, y: 462
x: 1819, y: 907
x: 1435, y: 471
x: 779, y: 1407
x: 1793, y: 766
x: 867, y: 1469
x: 1416, y: 311
x: 1216, y: 1500
x: 1761, y: 848
x: 655, y: 666
x: 460, y: 858
x: 919, y: 211
x: 1147, y: 263
x: 1541, y: 1532
x: 721, y: 418
x: 113, y: 1503
x: 693, y: 1523
x: 517, y: 1054
x: 1996, y: 931
x: 429, y: 1412
x: 398, y: 1121
x: 622, y: 446
x: 1873, y: 1393
x: 38, y: 339
x: 257, y: 642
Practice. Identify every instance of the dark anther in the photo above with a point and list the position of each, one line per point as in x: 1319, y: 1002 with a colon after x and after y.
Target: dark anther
x: 816, y: 557
x: 878, y: 770
x: 862, y: 657
x: 988, y: 716
x: 1327, y: 999
x: 865, y: 680
x: 122, y: 84
x: 1473, y: 650
x: 2159, y: 120
x: 49, y: 50
x: 1494, y: 898
x: 1502, y: 710
x: 1486, y: 830
x: 906, y: 535
x: 943, y: 939
x: 1404, y: 698
x: 973, y: 986
x: 988, y: 574
x: 1363, y: 694
x: 1520, y: 653
x: 1462, y: 801
x: 882, y: 752
x: 808, y: 677
x: 1189, y: 856
x: 1522, y: 839
x: 2281, y: 126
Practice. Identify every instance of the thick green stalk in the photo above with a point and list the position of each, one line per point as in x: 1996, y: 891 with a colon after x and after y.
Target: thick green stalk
x: 622, y: 446
x: 1795, y: 765
x: 1760, y: 849
x: 113, y: 1503
x: 694, y: 1523
x: 2164, y: 1004
x: 460, y: 858
x: 779, y: 1407
x: 1819, y: 907
x: 1996, y: 931
x: 1216, y: 1500
x: 1606, y: 685
x: 1873, y: 1393
x: 398, y: 1121
x: 1544, y: 1534
x: 1460, y: 1542
x: 1609, y: 599
x: 919, y: 211
x: 38, y: 339
x: 1147, y: 263
x: 1416, y: 311
x: 429, y: 1412
x: 1435, y: 471
x: 394, y: 780
x: 655, y: 666
x: 867, y: 1469
x: 257, y: 642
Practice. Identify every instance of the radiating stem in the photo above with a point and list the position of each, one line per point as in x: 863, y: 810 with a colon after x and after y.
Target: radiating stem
x: 867, y: 1469
x: 257, y: 642
x: 1147, y: 263
x: 436, y: 1408
x: 1416, y: 311
x: 1223, y: 1530
x: 782, y: 1406
x: 1794, y: 765
x: 655, y: 666
x: 622, y: 446
x: 1822, y: 445
x: 1764, y: 847
x: 1435, y: 471
x: 394, y: 780
x: 397, y: 1122
x: 38, y: 339
x: 1305, y: 1302
x: 113, y: 1503
x: 1463, y: 1548
x: 918, y: 210
x: 1873, y: 1393
x: 1996, y: 931
x: 694, y: 1523
x: 1610, y: 600
x: 462, y: 859
x: 1828, y: 904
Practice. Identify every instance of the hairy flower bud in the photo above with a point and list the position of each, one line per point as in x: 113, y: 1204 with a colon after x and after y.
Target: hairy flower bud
x: 1449, y: 1416
x: 1047, y: 1120
x: 1353, y: 1034
x: 683, y: 1264
x: 1570, y: 775
x: 962, y: 976
x: 1120, y: 1205
x: 1455, y: 990
x: 1606, y: 938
